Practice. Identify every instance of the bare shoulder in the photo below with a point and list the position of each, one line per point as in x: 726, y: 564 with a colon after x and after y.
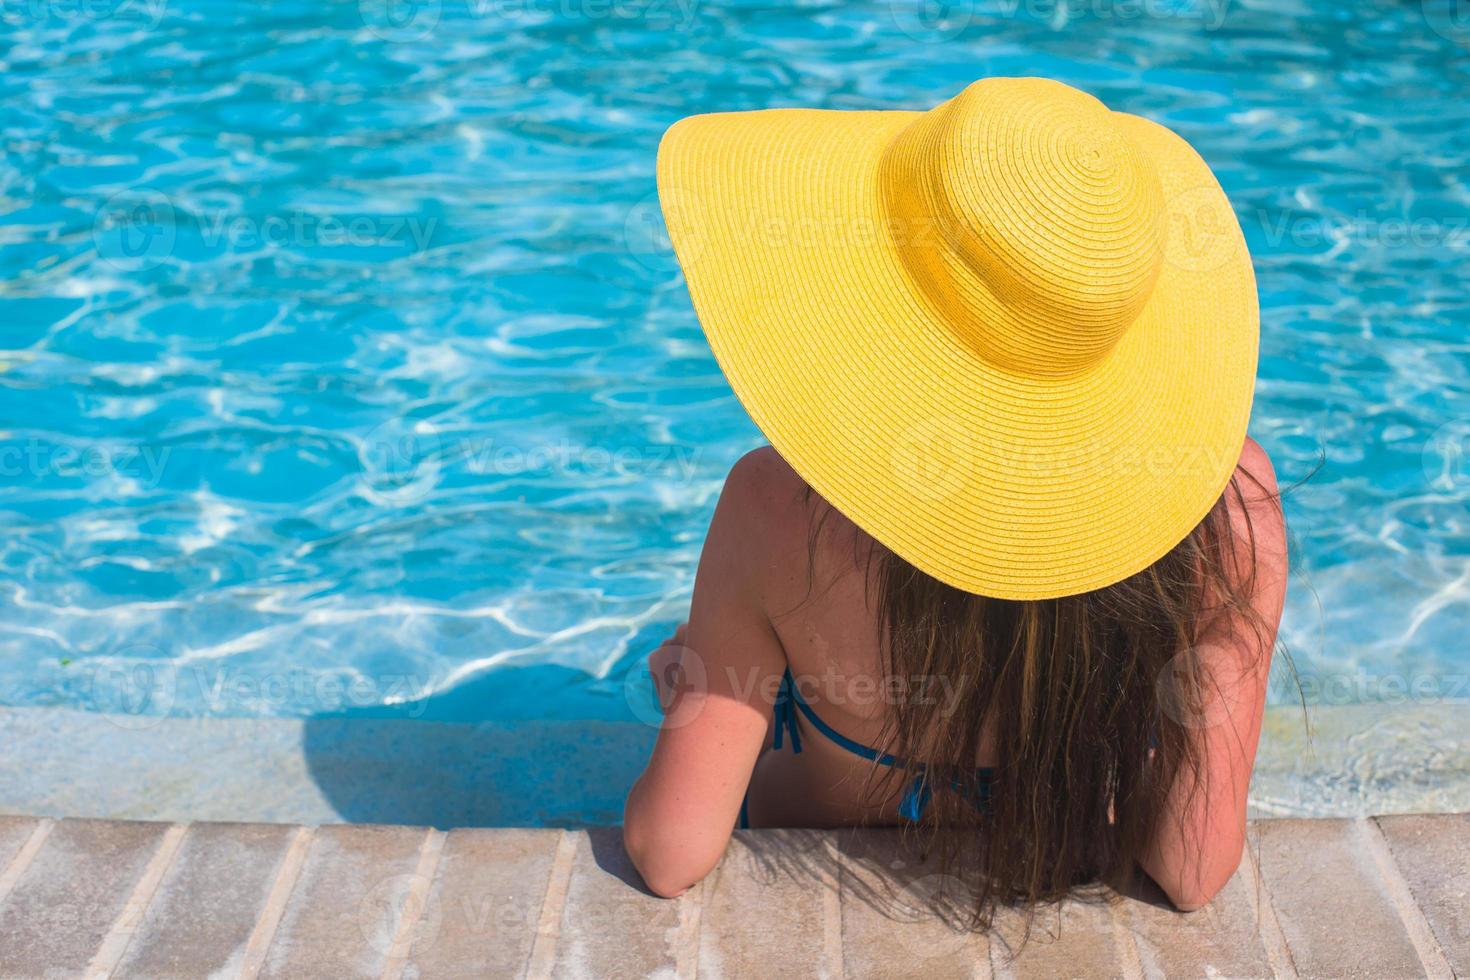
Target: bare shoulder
x: 762, y: 514
x: 765, y: 491
x: 1256, y: 514
x: 764, y: 469
x: 1255, y: 478
x: 1256, y: 466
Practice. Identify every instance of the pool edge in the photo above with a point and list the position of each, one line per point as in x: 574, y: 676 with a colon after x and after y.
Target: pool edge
x: 1339, y: 761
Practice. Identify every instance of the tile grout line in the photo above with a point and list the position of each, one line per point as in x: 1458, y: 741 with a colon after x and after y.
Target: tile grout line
x: 709, y: 886
x: 24, y: 857
x: 980, y: 945
x: 548, y: 927
x: 832, y: 938
x: 1130, y: 964
x: 691, y: 915
x: 1426, y: 947
x: 983, y: 967
x: 115, y: 944
x: 414, y: 903
x: 1001, y: 962
x: 1268, y: 926
x: 1145, y: 954
x: 269, y: 919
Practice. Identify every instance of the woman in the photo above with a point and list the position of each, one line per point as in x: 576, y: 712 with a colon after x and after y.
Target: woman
x: 1011, y: 572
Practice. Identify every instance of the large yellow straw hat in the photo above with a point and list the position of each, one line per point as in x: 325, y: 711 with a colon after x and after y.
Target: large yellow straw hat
x: 1013, y: 338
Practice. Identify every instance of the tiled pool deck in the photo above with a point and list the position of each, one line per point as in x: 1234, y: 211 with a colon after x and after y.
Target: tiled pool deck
x: 1381, y: 897
x: 290, y: 890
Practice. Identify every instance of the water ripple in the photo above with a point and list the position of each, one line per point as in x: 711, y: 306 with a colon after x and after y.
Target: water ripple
x: 343, y: 347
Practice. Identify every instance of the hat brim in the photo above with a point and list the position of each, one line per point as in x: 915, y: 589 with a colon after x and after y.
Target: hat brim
x: 996, y: 483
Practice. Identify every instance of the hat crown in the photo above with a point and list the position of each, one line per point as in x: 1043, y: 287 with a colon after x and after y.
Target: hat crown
x: 1047, y: 222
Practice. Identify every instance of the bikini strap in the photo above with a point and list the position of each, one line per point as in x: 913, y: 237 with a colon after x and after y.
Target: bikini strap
x: 915, y: 799
x: 919, y: 792
x: 784, y: 714
x: 815, y: 720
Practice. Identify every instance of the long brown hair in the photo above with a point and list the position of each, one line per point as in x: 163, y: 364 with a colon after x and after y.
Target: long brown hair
x: 1092, y: 709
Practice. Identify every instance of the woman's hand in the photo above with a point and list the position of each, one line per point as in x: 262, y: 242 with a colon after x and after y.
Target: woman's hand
x: 666, y: 667
x: 712, y: 680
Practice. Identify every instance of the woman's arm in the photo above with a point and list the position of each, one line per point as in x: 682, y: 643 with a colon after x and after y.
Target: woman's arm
x: 680, y: 813
x: 1202, y: 836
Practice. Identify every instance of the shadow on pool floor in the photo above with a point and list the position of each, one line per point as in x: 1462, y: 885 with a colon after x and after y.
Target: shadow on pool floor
x: 414, y: 763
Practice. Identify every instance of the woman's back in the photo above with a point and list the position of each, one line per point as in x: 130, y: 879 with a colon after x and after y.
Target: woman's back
x: 832, y: 641
x: 787, y: 585
x: 1012, y: 338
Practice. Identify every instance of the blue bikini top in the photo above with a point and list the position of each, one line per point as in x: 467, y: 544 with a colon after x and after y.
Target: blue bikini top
x: 915, y: 798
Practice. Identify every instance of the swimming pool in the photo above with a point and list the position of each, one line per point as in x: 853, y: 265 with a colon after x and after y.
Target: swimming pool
x: 344, y: 369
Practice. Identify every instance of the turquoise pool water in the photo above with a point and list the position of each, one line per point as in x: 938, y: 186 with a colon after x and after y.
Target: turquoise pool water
x: 343, y: 368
